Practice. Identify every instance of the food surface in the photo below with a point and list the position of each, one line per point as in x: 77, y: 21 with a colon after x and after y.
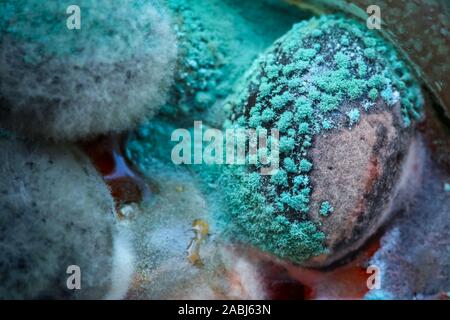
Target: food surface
x: 224, y: 149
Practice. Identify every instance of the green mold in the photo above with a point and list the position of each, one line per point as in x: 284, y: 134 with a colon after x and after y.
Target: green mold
x: 214, y: 52
x: 373, y: 94
x: 290, y: 165
x: 267, y: 115
x: 353, y: 116
x: 280, y: 178
x: 305, y: 165
x: 312, y: 84
x: 285, y: 121
x: 326, y: 208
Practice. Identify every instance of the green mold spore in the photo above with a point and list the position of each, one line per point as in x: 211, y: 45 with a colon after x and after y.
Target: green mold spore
x: 286, y: 144
x: 304, y: 108
x: 298, y: 202
x: 279, y: 101
x: 345, y: 41
x: 305, y: 54
x: 290, y: 165
x: 255, y: 120
x: 313, y: 84
x: 329, y: 102
x: 342, y: 60
x: 280, y: 178
x: 303, y: 128
x: 362, y: 68
x: 301, y: 180
x: 267, y: 115
x: 285, y: 121
x: 370, y: 53
x: 327, y: 124
x: 447, y: 187
x: 353, y: 116
x: 305, y: 165
x: 373, y: 94
x: 326, y: 209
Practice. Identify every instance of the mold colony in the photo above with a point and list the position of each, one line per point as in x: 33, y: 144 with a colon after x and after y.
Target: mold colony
x: 343, y: 101
x: 319, y: 132
x: 213, y: 53
x: 322, y: 78
x: 65, y: 85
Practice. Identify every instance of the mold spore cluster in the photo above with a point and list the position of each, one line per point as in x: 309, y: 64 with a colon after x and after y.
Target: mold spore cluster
x: 322, y: 75
x: 199, y: 64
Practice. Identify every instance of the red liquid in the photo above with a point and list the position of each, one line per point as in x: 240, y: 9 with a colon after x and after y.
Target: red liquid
x: 126, y: 186
x: 285, y: 281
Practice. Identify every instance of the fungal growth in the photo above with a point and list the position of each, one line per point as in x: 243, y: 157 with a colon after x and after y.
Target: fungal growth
x: 211, y: 53
x: 63, y: 84
x: 344, y: 104
x: 224, y: 149
x: 56, y: 211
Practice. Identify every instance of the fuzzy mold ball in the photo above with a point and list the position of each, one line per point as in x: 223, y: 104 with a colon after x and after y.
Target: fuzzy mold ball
x: 68, y: 84
x: 56, y: 211
x: 344, y: 105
